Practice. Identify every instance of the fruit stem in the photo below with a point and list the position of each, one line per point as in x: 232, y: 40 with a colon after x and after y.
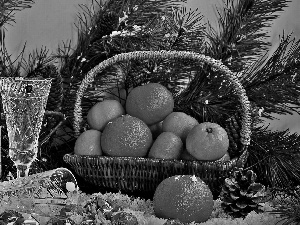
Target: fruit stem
x: 209, y: 130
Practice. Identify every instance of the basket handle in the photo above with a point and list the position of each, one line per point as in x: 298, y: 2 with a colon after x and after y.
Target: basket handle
x: 140, y: 55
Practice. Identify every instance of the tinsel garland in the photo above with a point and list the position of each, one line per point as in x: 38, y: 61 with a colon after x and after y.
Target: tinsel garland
x: 144, y: 212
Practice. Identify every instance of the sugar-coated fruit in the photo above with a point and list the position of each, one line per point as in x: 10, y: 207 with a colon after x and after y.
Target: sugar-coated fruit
x: 183, y: 197
x: 207, y: 141
x: 151, y: 103
x: 126, y: 136
x: 88, y: 143
x: 166, y: 146
x: 103, y: 112
x: 179, y: 123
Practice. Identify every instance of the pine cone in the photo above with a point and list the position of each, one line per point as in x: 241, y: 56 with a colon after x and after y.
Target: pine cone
x: 240, y: 194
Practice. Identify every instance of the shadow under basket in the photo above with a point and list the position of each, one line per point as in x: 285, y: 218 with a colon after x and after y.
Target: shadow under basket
x: 131, y: 174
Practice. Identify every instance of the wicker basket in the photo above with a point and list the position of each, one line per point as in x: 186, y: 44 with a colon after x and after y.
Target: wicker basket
x: 144, y: 174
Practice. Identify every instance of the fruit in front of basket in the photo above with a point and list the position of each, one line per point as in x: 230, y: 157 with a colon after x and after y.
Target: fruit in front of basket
x: 151, y: 103
x: 124, y: 218
x: 179, y: 123
x: 88, y: 143
x: 103, y: 112
x: 207, y: 141
x: 166, y: 146
x: 183, y: 197
x: 126, y: 136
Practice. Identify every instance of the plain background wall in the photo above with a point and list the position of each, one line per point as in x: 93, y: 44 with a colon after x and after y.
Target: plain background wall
x: 50, y: 22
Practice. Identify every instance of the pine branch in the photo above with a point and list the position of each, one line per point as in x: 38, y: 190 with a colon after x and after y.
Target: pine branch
x: 287, y: 206
x: 10, y: 68
x: 208, y: 97
x: 275, y: 157
x: 37, y: 60
x: 240, y: 37
x: 7, y: 16
x: 8, y: 8
x: 140, y: 11
x: 105, y: 30
x: 273, y: 82
x: 183, y: 30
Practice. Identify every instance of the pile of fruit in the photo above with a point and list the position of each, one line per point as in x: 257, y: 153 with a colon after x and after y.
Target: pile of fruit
x: 145, y: 125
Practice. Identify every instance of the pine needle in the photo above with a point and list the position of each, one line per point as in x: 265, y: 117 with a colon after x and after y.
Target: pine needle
x: 9, y: 7
x: 288, y: 207
x: 274, y: 156
x: 273, y: 82
x: 240, y: 37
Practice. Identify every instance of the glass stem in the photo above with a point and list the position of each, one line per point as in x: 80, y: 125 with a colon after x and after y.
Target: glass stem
x: 22, y: 171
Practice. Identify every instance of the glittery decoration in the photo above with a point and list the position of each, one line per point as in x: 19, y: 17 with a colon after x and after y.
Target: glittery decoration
x: 41, y: 193
x: 124, y: 218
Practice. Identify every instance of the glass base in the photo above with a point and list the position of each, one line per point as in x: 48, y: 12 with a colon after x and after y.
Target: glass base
x: 22, y: 170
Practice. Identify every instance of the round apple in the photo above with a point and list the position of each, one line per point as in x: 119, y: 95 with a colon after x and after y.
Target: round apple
x: 207, y: 141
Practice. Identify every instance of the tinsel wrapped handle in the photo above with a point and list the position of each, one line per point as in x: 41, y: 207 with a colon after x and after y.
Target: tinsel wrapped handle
x: 142, y: 55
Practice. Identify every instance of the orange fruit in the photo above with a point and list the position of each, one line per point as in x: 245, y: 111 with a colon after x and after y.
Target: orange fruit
x: 126, y: 136
x: 88, y: 143
x: 179, y: 123
x: 207, y: 141
x: 156, y: 129
x: 103, y: 112
x: 166, y: 146
x: 151, y: 103
x: 183, y: 197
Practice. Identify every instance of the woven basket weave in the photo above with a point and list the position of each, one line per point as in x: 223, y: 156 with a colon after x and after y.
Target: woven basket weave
x: 144, y: 174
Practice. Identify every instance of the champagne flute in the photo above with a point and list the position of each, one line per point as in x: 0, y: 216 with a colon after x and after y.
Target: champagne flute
x: 24, y: 102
